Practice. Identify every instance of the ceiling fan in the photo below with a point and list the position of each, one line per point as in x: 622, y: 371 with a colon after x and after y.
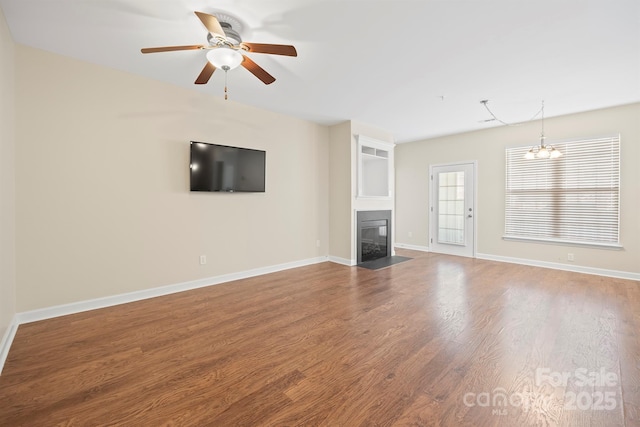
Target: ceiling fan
x: 226, y: 50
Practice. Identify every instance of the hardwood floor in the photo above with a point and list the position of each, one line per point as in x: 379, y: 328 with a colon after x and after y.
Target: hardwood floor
x: 435, y: 341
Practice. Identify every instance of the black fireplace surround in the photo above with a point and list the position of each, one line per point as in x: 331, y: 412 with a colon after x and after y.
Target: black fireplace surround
x: 373, y: 235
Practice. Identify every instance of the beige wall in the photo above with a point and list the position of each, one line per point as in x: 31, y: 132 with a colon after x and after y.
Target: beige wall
x: 103, y: 199
x: 487, y: 147
x: 7, y: 179
x: 340, y: 227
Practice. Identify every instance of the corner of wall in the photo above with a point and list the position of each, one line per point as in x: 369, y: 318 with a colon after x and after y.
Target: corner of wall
x: 7, y: 191
x: 7, y: 340
x: 340, y: 190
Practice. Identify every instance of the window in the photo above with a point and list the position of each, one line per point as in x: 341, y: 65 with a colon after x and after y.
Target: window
x: 571, y: 199
x: 451, y: 207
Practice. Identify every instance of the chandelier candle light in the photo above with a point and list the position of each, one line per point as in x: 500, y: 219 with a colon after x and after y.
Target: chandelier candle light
x: 543, y: 151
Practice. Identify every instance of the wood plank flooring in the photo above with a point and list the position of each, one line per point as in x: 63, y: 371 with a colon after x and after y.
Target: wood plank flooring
x: 434, y: 341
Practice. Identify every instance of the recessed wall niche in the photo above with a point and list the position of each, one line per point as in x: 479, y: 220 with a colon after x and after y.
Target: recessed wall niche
x: 375, y: 165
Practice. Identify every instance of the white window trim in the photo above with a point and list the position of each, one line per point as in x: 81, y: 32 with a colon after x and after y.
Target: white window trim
x: 612, y: 246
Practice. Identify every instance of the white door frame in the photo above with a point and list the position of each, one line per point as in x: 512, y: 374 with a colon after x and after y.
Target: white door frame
x: 432, y: 220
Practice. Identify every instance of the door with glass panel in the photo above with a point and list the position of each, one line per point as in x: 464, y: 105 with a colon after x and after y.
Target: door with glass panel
x: 452, y: 216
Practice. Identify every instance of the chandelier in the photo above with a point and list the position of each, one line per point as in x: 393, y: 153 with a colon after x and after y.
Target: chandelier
x: 543, y: 151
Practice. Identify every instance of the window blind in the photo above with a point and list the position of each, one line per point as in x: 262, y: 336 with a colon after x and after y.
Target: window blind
x: 571, y: 199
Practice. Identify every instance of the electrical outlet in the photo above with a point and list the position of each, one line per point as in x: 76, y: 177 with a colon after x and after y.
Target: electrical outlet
x: 203, y: 259
x: 410, y: 234
x: 570, y: 257
x: 317, y: 243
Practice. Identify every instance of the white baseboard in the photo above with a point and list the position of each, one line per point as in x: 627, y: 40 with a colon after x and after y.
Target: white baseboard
x: 412, y: 247
x: 80, y: 306
x: 93, y: 304
x: 7, y: 340
x: 566, y: 267
x: 343, y: 261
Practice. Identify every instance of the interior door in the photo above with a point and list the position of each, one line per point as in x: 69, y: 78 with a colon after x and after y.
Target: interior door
x: 452, y: 210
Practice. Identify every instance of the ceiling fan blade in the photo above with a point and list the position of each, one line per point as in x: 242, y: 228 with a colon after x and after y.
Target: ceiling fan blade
x: 257, y: 71
x: 171, y: 48
x: 274, y: 49
x: 205, y: 74
x: 211, y: 23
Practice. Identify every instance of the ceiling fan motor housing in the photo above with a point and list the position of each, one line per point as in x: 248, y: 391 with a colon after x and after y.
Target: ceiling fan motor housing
x: 231, y: 26
x: 233, y: 37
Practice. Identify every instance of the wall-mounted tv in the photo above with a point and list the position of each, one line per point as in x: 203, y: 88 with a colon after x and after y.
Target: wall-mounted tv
x: 222, y: 168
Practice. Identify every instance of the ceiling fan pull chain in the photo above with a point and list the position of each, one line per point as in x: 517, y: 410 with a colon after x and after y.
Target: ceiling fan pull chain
x: 225, y: 84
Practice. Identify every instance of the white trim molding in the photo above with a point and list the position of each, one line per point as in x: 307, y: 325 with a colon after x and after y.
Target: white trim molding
x: 343, y: 261
x: 411, y: 247
x: 93, y: 304
x: 557, y: 266
x: 7, y: 340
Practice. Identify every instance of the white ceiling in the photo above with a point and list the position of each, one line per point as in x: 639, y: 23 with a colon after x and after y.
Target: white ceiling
x: 417, y: 69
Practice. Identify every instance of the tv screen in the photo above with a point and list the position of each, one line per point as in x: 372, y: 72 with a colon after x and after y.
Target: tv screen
x: 228, y: 169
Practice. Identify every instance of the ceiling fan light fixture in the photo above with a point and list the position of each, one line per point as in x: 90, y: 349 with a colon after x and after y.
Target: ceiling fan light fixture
x: 224, y: 58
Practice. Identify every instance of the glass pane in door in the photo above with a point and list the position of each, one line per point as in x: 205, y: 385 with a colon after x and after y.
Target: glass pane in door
x: 451, y: 207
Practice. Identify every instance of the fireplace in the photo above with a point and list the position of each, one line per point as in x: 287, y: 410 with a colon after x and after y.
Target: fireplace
x: 373, y: 235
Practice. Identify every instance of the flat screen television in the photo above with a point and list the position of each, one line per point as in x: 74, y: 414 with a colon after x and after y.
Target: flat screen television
x: 221, y: 168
